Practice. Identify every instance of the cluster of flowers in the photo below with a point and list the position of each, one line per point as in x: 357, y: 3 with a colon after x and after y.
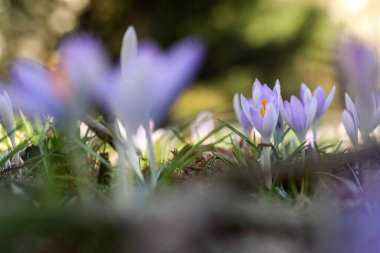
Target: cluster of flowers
x: 81, y: 77
x: 267, y: 113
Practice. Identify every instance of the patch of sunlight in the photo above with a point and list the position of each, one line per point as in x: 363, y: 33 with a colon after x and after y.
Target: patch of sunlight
x: 199, y: 98
x: 273, y: 23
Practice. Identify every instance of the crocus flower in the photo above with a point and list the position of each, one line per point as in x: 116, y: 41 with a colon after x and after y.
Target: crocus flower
x: 358, y: 65
x: 151, y: 80
x: 86, y: 68
x: 80, y: 74
x: 263, y: 111
x: 240, y: 115
x: 350, y: 120
x: 323, y: 103
x: 298, y: 115
x: 31, y: 89
x: 365, y: 115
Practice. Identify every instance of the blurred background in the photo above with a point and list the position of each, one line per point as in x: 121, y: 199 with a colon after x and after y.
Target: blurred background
x: 290, y: 40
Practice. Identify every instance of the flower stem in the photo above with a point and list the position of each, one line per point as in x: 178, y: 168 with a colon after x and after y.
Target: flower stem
x: 152, y: 157
x: 266, y: 166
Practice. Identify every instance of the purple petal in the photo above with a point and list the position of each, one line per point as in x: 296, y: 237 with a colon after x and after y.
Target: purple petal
x: 246, y: 105
x: 298, y: 115
x: 84, y: 61
x: 257, y: 119
x: 319, y: 93
x: 31, y: 90
x: 329, y: 99
x: 178, y: 69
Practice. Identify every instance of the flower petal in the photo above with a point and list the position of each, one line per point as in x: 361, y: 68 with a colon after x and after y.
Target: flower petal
x: 269, y: 122
x: 245, y: 105
x: 349, y: 125
x: 351, y: 107
x: 310, y: 111
x: 128, y: 49
x: 256, y: 92
x: 319, y: 93
x: 304, y: 92
x: 329, y: 99
x: 285, y: 113
x: 298, y: 115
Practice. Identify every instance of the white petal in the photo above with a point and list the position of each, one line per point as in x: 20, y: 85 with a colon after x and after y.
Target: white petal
x: 128, y: 49
x: 277, y: 87
x: 349, y: 125
x: 256, y: 92
x: 351, y: 107
x: 329, y: 99
x: 269, y: 122
x: 310, y: 110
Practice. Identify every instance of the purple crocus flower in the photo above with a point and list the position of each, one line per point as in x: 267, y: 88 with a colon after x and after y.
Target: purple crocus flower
x: 240, y: 115
x: 150, y: 82
x: 298, y: 115
x: 86, y: 68
x: 263, y: 111
x: 31, y: 89
x: 69, y: 86
x: 323, y: 102
x: 350, y: 120
x: 358, y: 65
x: 363, y: 114
x: 152, y: 79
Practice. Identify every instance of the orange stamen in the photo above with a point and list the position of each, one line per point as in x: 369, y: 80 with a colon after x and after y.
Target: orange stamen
x: 263, y: 105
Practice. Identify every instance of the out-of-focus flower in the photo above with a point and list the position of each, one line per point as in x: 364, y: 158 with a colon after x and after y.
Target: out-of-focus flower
x: 152, y: 79
x: 350, y: 120
x: 86, y: 68
x: 298, y: 115
x: 31, y: 89
x: 358, y: 65
x: 80, y: 75
x: 202, y: 126
x: 240, y: 115
x: 150, y: 82
x: 365, y: 114
x: 263, y: 111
